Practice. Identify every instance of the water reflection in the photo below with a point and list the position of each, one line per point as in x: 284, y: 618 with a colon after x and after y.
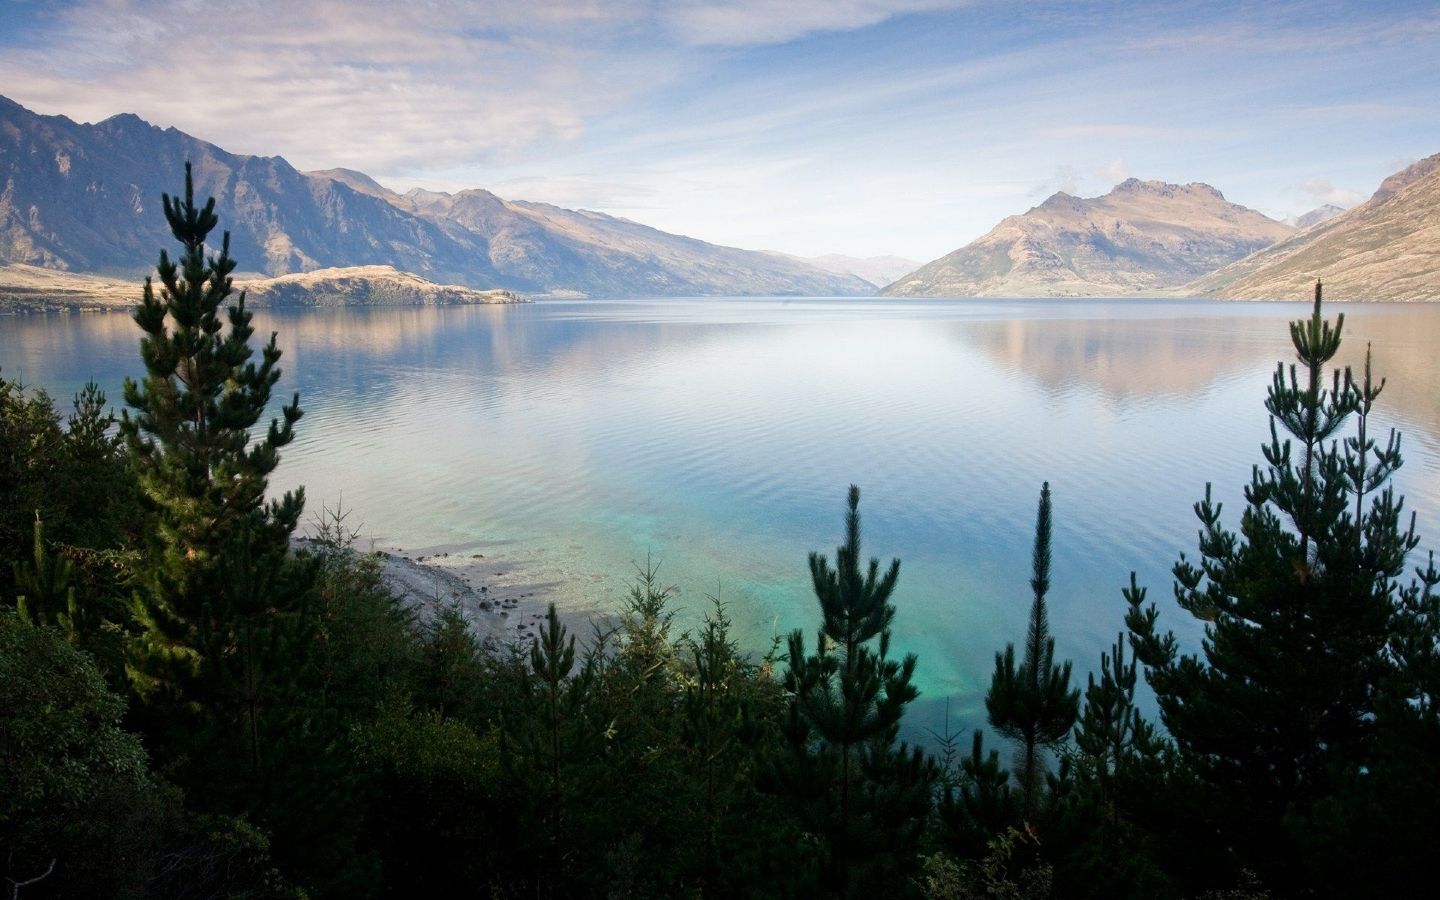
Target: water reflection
x: 1128, y: 359
x: 572, y: 438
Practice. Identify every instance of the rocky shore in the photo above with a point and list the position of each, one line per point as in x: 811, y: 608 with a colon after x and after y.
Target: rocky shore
x: 503, y: 606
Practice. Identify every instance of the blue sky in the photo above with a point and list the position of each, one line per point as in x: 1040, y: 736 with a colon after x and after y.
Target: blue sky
x: 807, y: 126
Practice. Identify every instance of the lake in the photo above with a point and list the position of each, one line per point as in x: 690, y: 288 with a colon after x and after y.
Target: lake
x: 568, y: 440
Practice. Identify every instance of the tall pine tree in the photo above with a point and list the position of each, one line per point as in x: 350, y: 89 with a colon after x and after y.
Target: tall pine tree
x: 1279, y: 705
x: 216, y: 604
x: 1033, y: 704
x: 865, y: 796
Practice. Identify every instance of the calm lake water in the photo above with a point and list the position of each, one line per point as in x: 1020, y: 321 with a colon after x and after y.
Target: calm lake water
x: 568, y: 440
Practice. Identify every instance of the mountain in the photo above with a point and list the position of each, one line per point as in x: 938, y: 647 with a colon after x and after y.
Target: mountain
x: 1387, y: 248
x: 1314, y: 217
x: 86, y: 198
x: 602, y: 255
x: 1142, y: 237
x: 877, y: 270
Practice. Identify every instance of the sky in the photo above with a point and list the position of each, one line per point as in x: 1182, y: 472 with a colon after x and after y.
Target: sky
x: 860, y: 127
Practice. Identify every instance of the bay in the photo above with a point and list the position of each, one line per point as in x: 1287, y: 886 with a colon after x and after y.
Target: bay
x: 572, y: 440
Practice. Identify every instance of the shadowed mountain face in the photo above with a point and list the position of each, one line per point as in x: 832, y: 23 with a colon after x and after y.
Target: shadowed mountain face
x: 86, y: 198
x: 1387, y: 248
x: 1143, y: 236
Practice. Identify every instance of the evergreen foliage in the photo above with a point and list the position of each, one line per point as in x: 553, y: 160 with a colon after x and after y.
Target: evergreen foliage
x: 980, y: 806
x: 1033, y: 704
x: 864, y: 797
x: 1300, y: 607
x: 70, y: 770
x: 202, y: 477
x: 312, y: 734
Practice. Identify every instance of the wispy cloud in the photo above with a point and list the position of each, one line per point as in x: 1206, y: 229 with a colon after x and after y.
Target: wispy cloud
x: 1115, y: 132
x: 581, y: 191
x: 1322, y: 192
x: 742, y: 22
x: 812, y: 126
x: 368, y: 84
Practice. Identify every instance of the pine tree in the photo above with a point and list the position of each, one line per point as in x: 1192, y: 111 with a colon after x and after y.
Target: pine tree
x: 1033, y: 705
x: 864, y: 795
x: 1121, y: 778
x: 1111, y: 733
x: 220, y: 607
x: 546, y: 749
x: 1298, y: 606
x: 46, y: 592
x: 981, y: 805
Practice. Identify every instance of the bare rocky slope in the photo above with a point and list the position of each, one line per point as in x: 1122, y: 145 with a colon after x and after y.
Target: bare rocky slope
x: 1142, y: 237
x: 86, y: 198
x: 1387, y: 248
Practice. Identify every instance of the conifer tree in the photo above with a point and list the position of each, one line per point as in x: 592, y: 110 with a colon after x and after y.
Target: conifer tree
x: 46, y: 592
x: 982, y: 804
x: 1033, y: 704
x: 1120, y: 793
x: 1111, y: 733
x: 1298, y: 608
x: 219, y: 605
x: 202, y: 475
x: 546, y: 749
x: 864, y: 795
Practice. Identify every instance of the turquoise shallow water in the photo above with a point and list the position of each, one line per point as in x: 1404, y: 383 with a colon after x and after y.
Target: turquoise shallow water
x: 568, y: 440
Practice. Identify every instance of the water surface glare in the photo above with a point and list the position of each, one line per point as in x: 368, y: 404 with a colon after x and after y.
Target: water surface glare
x: 569, y: 440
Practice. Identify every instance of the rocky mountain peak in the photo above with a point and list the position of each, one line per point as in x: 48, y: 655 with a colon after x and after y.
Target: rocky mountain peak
x: 424, y: 197
x: 1142, y: 236
x: 1387, y: 248
x: 1405, y: 177
x: 1166, y: 189
x: 82, y: 197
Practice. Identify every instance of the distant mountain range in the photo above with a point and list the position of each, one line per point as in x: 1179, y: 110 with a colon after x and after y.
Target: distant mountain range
x: 877, y: 270
x: 86, y: 198
x: 1387, y: 248
x: 1314, y: 216
x: 1141, y: 237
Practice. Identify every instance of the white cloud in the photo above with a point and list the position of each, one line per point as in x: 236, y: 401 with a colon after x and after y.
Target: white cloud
x: 1321, y: 192
x: 372, y: 85
x: 1115, y: 172
x: 741, y: 22
x: 577, y: 191
x: 1066, y: 179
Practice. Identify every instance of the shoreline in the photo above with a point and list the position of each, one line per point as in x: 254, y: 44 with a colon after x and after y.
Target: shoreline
x: 503, y: 605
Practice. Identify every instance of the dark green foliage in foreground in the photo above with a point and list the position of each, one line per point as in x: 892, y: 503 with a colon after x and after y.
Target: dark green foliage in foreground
x: 66, y: 485
x: 1299, y: 675
x: 81, y: 814
x: 865, y: 796
x: 1033, y: 704
x: 72, y: 777
x: 221, y: 612
x: 288, y: 727
x: 211, y: 587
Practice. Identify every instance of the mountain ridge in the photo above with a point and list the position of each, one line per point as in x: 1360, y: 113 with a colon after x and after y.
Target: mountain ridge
x: 84, y: 197
x: 1387, y: 248
x: 1140, y: 237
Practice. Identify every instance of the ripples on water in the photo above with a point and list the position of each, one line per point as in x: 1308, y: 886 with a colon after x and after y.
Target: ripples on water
x: 572, y: 438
